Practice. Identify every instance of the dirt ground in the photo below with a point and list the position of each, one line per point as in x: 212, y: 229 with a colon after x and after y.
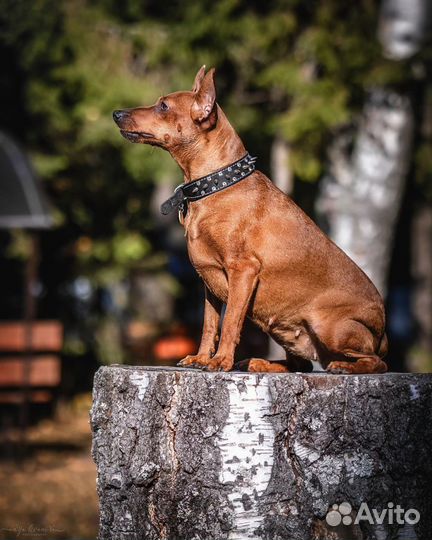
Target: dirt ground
x: 51, y: 493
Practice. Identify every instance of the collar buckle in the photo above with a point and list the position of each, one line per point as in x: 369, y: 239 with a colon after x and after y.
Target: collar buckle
x: 211, y: 183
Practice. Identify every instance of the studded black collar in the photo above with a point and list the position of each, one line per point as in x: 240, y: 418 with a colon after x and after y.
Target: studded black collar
x: 210, y: 184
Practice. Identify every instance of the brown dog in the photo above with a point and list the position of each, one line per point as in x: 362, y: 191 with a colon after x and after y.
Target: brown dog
x: 258, y: 253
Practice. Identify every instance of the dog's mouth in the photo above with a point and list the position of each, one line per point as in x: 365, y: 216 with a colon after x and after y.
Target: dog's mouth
x: 136, y: 136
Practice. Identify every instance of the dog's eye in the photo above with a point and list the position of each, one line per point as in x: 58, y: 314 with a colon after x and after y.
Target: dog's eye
x: 163, y: 106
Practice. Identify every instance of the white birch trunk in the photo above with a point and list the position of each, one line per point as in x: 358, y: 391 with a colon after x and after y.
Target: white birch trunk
x: 361, y: 196
x: 360, y: 199
x: 403, y: 26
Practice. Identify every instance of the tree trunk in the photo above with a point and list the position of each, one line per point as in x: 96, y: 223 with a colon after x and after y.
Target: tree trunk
x: 359, y: 200
x: 403, y: 27
x: 190, y: 455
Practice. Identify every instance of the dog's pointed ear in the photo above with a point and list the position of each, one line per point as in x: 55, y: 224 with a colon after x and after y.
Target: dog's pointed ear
x: 198, y: 79
x: 203, y: 110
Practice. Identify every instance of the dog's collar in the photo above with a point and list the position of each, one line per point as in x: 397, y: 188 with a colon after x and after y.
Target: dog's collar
x: 210, y: 184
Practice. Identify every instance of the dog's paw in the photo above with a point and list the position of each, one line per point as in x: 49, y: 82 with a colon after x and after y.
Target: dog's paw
x: 220, y: 363
x: 339, y: 368
x: 199, y: 361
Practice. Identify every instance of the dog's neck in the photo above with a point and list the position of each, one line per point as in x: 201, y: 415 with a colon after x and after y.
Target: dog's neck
x: 216, y: 149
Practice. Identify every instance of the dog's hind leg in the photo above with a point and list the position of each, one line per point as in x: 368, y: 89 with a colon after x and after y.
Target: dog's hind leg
x: 351, y: 347
x: 360, y: 365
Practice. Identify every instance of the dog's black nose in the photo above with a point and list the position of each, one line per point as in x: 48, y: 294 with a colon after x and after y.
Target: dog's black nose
x: 119, y: 115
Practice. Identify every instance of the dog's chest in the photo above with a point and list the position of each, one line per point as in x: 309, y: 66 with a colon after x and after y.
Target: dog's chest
x: 206, y: 253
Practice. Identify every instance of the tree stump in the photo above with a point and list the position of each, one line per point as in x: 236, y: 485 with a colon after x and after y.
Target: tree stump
x: 191, y: 455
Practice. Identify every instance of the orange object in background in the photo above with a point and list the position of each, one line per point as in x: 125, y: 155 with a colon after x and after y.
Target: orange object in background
x: 174, y: 347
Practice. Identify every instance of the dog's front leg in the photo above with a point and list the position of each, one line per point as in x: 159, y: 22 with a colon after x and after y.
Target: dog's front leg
x: 210, y: 333
x: 242, y: 281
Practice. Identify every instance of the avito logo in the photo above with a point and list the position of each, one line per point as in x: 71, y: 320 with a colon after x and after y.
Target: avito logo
x: 341, y: 513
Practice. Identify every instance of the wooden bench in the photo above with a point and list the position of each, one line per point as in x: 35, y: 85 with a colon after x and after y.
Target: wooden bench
x: 30, y: 369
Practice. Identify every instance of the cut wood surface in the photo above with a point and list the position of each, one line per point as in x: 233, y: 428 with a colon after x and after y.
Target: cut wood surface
x: 191, y: 455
